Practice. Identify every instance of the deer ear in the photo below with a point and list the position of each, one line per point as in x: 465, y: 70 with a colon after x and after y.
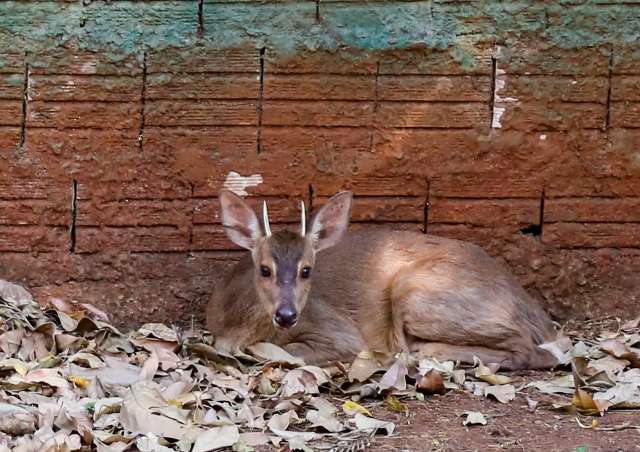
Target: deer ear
x: 330, y: 223
x: 239, y: 221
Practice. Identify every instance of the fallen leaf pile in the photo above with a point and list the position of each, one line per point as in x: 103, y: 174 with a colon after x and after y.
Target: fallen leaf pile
x: 605, y: 372
x: 69, y: 380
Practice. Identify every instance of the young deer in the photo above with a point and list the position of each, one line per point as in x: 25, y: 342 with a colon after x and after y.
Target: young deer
x: 376, y: 290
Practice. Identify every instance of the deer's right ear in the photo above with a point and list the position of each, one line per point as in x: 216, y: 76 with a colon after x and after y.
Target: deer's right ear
x: 239, y: 221
x: 331, y: 221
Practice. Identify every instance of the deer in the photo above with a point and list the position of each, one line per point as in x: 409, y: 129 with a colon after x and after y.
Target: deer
x: 325, y: 294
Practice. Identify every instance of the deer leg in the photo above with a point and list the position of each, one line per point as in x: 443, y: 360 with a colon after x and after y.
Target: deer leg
x: 463, y: 353
x: 507, y: 359
x: 458, y: 323
x: 302, y: 350
x: 324, y: 336
x: 320, y: 353
x: 321, y: 346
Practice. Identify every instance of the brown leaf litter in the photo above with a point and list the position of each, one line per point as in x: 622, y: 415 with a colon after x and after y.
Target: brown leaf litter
x: 69, y: 380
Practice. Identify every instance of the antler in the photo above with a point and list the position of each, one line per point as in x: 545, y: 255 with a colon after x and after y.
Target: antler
x: 265, y: 219
x: 303, y: 221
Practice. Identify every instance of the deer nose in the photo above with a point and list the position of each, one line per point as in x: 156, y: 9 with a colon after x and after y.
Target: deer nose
x: 286, y: 317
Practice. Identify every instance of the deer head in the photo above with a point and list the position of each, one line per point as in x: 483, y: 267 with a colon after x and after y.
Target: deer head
x: 284, y: 260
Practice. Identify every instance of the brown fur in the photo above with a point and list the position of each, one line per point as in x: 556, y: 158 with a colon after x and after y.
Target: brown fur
x: 388, y: 292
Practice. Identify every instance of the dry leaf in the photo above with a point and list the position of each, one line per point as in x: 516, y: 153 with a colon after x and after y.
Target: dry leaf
x: 14, y: 364
x: 157, y: 330
x: 279, y: 423
x: 367, y: 423
x: 396, y: 405
x: 559, y: 385
x: 631, y: 324
x: 216, y: 438
x: 271, y: 352
x: 150, y: 367
x: 395, y: 377
x: 583, y: 401
x: 16, y: 420
x: 474, y: 418
x: 610, y: 365
x: 619, y: 350
x: 485, y: 373
x: 254, y: 438
x: 136, y: 415
x: 151, y: 443
x: 502, y: 393
x: 532, y: 404
x: 80, y: 382
x: 351, y: 408
x: 14, y: 294
x: 363, y: 367
x: 95, y: 312
x: 325, y: 420
x: 427, y: 364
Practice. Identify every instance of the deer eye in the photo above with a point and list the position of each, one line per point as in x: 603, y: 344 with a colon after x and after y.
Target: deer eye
x: 306, y: 272
x: 265, y: 271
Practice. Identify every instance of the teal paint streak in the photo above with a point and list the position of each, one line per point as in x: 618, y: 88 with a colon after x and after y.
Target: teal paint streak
x: 130, y: 27
x: 394, y: 26
x: 594, y: 25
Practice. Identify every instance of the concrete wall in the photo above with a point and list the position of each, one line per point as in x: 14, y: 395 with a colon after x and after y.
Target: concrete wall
x: 511, y: 124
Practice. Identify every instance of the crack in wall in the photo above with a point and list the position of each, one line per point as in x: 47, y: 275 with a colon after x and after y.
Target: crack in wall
x: 492, y: 100
x: 425, y: 220
x: 200, y: 17
x: 143, y: 101
x: 609, y: 77
x: 25, y: 103
x: 74, y: 215
x: 310, y: 208
x: 260, y: 99
x: 536, y: 230
x: 375, y: 105
x: 193, y: 215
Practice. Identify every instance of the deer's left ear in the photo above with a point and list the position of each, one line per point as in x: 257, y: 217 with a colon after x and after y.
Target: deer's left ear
x: 330, y: 223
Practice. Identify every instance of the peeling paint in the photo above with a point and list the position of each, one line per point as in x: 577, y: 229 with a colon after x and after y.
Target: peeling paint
x: 89, y: 67
x: 500, y: 103
x: 238, y: 183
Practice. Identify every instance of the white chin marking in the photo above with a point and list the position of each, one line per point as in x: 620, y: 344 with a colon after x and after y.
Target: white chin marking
x: 280, y: 327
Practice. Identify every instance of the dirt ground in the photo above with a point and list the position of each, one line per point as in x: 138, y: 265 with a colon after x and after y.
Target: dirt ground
x: 436, y: 425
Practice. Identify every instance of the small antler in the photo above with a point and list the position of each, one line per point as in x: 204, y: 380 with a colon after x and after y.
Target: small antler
x: 303, y: 220
x: 265, y: 219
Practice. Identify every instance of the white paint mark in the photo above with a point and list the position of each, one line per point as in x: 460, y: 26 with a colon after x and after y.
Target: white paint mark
x: 500, y: 103
x: 497, y: 116
x: 238, y: 183
x: 543, y: 137
x: 89, y: 67
x: 29, y: 85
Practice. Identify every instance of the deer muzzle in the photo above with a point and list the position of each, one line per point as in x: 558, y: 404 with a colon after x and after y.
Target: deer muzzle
x: 286, y: 316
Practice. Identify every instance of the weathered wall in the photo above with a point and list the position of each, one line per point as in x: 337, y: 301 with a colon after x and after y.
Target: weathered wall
x: 511, y: 124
